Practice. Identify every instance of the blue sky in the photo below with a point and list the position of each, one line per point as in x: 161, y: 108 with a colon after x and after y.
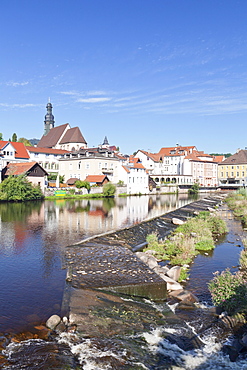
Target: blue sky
x: 145, y: 73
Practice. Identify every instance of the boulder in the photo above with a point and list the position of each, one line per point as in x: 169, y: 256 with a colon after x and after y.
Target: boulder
x: 184, y: 296
x: 161, y: 270
x: 171, y: 284
x: 143, y: 256
x: 177, y: 221
x: 53, y: 322
x: 152, y: 262
x: 174, y: 272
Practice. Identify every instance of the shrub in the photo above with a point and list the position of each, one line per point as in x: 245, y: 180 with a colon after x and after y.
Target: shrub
x: 18, y: 188
x: 194, y: 189
x: 83, y: 184
x: 109, y: 190
x: 229, y: 291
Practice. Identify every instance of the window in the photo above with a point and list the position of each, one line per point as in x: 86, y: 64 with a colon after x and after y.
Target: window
x: 232, y: 174
x: 237, y: 174
x: 87, y: 166
x: 99, y: 165
x: 79, y: 165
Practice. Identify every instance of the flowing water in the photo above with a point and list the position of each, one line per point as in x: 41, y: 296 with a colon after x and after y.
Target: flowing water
x: 129, y: 334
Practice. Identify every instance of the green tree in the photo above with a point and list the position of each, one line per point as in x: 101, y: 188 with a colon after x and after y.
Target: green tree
x: 18, y: 188
x: 25, y: 141
x: 1, y: 136
x: 109, y: 190
x: 83, y: 184
x: 14, y: 138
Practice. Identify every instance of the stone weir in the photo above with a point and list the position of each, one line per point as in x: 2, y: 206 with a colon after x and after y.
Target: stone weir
x: 108, y: 262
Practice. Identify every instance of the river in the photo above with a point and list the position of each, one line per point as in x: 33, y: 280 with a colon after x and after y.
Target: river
x: 33, y: 239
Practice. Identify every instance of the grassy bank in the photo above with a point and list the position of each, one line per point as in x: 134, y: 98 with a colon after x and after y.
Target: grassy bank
x: 237, y: 202
x: 195, y: 235
x: 229, y: 291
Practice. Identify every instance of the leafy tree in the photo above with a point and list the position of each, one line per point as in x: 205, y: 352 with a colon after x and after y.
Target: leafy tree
x: 225, y: 154
x: 1, y: 136
x: 18, y: 188
x: 194, y: 188
x: 83, y: 184
x: 14, y: 138
x: 109, y: 190
x: 25, y: 141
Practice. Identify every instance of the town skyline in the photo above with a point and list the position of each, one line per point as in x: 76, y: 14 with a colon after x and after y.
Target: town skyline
x: 145, y: 74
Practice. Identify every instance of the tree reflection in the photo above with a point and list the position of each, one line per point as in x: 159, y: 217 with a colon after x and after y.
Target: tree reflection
x: 11, y: 212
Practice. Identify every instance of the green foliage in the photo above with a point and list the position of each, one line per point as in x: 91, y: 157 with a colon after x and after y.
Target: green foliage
x: 184, y: 274
x: 224, y: 154
x: 109, y: 190
x: 243, y: 260
x: 237, y: 202
x: 229, y: 291
x: 25, y: 141
x: 183, y: 245
x: 83, y: 184
x: 1, y: 136
x: 18, y: 188
x: 194, y: 189
x: 120, y: 183
x: 204, y: 245
x: 14, y: 137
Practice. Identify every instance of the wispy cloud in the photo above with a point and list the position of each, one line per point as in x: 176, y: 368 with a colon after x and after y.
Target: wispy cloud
x: 93, y: 100
x: 96, y: 93
x: 28, y: 105
x: 15, y: 84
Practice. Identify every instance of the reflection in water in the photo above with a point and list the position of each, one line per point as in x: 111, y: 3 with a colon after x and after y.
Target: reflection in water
x: 33, y: 237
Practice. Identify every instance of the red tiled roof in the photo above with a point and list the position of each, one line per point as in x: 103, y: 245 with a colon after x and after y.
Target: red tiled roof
x: 218, y: 158
x: 96, y: 178
x: 126, y: 169
x: 34, y: 149
x: 21, y: 168
x: 20, y: 149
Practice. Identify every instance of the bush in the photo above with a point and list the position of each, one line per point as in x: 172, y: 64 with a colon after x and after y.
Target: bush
x: 83, y: 184
x: 18, y: 188
x: 229, y: 291
x: 109, y: 190
x: 194, y: 189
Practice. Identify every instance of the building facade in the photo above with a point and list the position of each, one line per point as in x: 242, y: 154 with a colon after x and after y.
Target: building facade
x: 85, y: 162
x: 233, y: 170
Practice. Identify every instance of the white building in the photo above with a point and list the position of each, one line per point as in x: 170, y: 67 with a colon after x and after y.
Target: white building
x: 135, y: 176
x: 94, y: 161
x: 180, y: 165
x: 46, y: 157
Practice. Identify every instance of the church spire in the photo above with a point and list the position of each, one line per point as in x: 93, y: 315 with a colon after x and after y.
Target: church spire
x: 49, y: 119
x: 105, y: 141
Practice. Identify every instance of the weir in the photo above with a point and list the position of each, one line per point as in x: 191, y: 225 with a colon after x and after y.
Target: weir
x: 107, y: 263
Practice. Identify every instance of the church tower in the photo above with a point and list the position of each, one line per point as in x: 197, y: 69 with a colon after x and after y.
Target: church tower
x: 49, y: 119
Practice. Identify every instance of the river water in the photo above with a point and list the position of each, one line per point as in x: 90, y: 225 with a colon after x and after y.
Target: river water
x: 33, y: 239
